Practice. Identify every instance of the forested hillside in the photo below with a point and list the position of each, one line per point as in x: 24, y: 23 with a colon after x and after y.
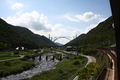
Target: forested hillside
x: 42, y: 41
x: 10, y: 39
x: 99, y: 37
x: 14, y: 36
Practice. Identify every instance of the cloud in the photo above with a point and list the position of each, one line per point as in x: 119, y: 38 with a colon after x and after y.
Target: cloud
x: 88, y: 16
x: 94, y: 25
x: 75, y: 33
x: 102, y: 19
x: 90, y: 27
x: 38, y: 23
x: 17, y: 6
x: 58, y: 30
x: 69, y: 18
x: 32, y: 20
x: 56, y: 27
x: 54, y: 31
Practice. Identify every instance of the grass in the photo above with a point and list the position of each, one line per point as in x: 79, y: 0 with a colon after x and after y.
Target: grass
x: 64, y: 70
x: 6, y: 52
x: 93, y: 69
x: 14, y: 67
x: 28, y: 53
x: 8, y: 57
x: 10, y: 52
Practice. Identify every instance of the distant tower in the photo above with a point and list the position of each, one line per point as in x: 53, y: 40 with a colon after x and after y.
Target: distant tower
x: 49, y: 36
x: 51, y: 39
x: 76, y: 35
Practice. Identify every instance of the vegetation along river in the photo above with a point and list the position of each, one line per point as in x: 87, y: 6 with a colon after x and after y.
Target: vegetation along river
x: 41, y: 65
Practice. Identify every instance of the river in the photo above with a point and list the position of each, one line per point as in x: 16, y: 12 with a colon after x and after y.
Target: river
x: 43, y: 65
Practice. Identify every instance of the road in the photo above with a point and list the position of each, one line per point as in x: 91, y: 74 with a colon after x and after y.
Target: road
x: 90, y: 59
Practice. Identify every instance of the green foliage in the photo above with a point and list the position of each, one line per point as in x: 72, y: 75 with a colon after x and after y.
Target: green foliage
x: 64, y: 70
x: 7, y: 63
x: 97, y: 37
x: 16, y: 52
x: 10, y: 39
x: 76, y: 63
x: 4, y: 57
x: 15, y: 36
x: 60, y: 71
x: 28, y: 53
x: 92, y: 69
x: 4, y: 46
x: 41, y: 41
x: 13, y: 67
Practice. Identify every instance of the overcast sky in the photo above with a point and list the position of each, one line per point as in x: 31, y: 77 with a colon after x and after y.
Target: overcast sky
x: 59, y: 18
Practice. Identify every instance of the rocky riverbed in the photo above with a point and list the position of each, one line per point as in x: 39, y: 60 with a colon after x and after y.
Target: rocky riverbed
x: 41, y: 65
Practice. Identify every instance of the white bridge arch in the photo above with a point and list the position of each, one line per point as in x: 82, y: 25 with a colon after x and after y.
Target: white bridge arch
x: 56, y: 38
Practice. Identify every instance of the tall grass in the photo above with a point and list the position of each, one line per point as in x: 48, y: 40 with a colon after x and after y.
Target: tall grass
x: 64, y: 70
x: 13, y: 67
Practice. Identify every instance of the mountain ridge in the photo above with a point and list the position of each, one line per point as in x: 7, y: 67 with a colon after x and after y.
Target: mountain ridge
x: 59, y: 44
x: 102, y: 36
x: 14, y: 36
x: 10, y: 38
x: 40, y: 40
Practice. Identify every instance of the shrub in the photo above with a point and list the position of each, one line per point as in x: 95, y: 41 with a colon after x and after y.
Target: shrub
x: 17, y: 62
x: 81, y: 57
x: 7, y: 63
x: 60, y: 71
x: 4, y: 73
x: 75, y: 57
x: 76, y: 63
x: 16, y: 52
x: 68, y: 57
x: 14, y: 67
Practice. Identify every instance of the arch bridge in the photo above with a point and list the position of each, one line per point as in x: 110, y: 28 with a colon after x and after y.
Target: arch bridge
x: 56, y: 38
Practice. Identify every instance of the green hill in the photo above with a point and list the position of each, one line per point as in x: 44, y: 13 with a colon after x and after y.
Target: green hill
x: 15, y: 36
x: 42, y: 41
x: 99, y: 37
x: 10, y: 39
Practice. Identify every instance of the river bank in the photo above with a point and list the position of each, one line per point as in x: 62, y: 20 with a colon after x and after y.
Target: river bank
x: 41, y: 66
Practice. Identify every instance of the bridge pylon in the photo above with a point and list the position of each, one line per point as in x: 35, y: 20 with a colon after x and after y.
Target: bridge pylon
x: 53, y: 39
